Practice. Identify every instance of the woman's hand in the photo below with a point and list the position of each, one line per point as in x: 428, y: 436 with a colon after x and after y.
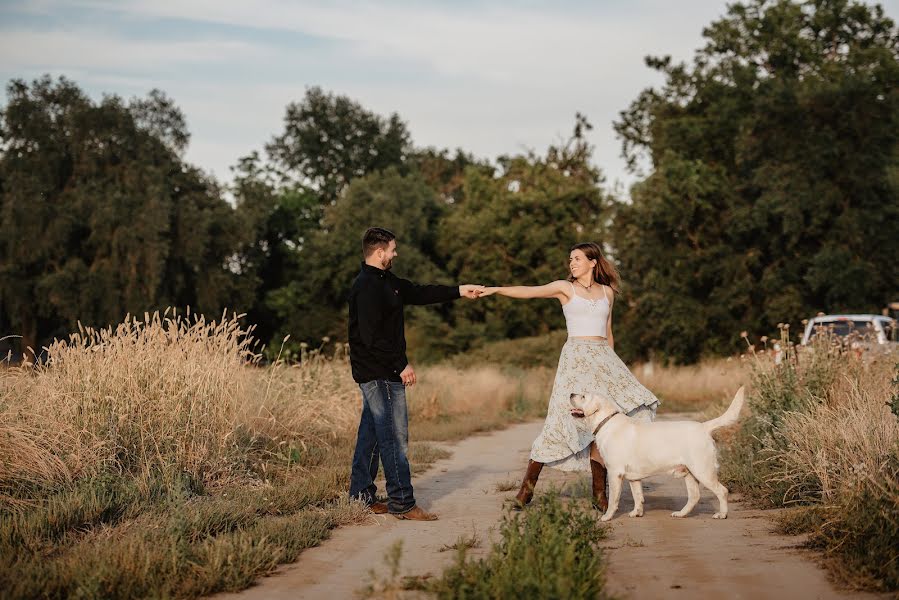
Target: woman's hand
x: 488, y: 291
x: 470, y: 291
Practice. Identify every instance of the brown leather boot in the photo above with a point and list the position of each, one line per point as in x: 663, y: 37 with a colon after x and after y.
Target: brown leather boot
x: 527, y: 485
x: 600, y: 500
x: 416, y: 514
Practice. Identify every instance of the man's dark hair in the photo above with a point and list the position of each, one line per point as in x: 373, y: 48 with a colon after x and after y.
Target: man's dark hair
x: 374, y: 238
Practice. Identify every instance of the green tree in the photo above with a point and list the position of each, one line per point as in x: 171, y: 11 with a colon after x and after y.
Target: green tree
x: 772, y: 192
x: 313, y: 304
x: 445, y: 173
x: 286, y: 204
x: 330, y: 140
x: 516, y: 228
x: 276, y: 223
x: 99, y: 216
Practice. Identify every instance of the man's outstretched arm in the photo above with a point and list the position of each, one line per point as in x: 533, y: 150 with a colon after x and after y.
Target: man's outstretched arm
x: 413, y: 293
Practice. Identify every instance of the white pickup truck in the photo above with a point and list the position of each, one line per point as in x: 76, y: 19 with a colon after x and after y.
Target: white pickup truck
x: 877, y: 328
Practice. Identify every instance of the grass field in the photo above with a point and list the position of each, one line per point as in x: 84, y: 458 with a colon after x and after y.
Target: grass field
x: 160, y: 459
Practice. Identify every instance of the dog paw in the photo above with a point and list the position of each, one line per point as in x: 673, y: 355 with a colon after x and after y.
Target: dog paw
x: 719, y: 515
x: 605, y: 518
x: 635, y: 513
x: 678, y: 515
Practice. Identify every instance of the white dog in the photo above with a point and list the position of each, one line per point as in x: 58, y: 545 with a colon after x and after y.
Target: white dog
x: 635, y: 449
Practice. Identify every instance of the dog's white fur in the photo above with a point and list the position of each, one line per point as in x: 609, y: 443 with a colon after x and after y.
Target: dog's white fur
x: 634, y: 449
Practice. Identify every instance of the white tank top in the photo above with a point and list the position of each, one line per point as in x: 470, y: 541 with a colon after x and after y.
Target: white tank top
x: 585, y: 317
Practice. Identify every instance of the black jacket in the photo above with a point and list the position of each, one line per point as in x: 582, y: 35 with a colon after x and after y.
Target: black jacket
x: 376, y: 334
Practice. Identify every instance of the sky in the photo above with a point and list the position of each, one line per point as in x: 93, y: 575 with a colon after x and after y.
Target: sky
x: 488, y: 77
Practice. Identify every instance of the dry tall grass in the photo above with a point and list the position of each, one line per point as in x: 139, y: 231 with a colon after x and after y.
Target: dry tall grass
x: 450, y: 402
x: 680, y: 387
x: 693, y: 387
x: 847, y: 437
x: 158, y: 458
x: 167, y: 396
x: 822, y: 435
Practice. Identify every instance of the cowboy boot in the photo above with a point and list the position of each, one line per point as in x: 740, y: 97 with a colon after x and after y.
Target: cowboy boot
x: 527, y: 485
x: 416, y: 514
x: 600, y: 498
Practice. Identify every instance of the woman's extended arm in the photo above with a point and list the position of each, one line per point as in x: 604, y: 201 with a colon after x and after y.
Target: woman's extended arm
x: 557, y: 289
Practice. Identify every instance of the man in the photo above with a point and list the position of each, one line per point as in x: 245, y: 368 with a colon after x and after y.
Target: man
x: 378, y: 359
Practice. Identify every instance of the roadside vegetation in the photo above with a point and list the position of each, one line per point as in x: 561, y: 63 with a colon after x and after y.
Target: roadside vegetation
x: 822, y: 438
x: 159, y: 458
x: 551, y: 550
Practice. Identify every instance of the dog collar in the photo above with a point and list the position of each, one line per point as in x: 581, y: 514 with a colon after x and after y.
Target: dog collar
x: 604, y: 421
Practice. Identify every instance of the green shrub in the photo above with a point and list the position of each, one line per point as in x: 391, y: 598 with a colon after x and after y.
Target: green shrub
x: 547, y: 551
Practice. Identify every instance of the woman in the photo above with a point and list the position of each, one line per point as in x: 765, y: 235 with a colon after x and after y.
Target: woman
x: 588, y: 364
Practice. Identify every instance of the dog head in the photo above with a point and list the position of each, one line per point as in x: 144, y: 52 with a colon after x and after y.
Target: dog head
x: 584, y: 405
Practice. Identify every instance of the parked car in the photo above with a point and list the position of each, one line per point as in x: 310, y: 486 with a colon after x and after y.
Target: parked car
x: 878, y: 328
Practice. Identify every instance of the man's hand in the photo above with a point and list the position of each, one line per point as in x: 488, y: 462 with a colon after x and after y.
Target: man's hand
x: 408, y: 375
x: 471, y: 291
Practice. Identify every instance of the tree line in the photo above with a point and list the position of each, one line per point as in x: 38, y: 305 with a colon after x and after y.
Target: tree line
x: 769, y: 192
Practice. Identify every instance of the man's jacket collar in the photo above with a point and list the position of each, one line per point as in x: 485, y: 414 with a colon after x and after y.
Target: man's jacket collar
x: 367, y: 268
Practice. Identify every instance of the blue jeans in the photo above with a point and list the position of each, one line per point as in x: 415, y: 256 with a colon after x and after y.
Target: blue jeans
x: 383, y: 433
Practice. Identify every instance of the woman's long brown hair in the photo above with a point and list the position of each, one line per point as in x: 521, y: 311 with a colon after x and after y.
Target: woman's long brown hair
x: 604, y: 272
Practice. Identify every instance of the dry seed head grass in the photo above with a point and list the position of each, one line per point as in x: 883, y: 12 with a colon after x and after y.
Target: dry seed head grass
x: 823, y: 434
x: 847, y: 438
x: 178, y: 394
x: 448, y: 391
x: 487, y: 391
x: 168, y: 394
x: 694, y: 387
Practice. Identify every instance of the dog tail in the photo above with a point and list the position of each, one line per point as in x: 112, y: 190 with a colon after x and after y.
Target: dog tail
x: 730, y: 415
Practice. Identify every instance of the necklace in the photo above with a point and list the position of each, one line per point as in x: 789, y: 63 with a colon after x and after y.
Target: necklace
x: 594, y: 302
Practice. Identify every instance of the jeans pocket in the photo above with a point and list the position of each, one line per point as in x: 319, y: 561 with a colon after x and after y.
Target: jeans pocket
x: 369, y: 387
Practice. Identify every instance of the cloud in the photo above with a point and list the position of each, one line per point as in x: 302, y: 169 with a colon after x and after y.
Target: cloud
x: 91, y: 49
x: 492, y: 42
x: 489, y: 77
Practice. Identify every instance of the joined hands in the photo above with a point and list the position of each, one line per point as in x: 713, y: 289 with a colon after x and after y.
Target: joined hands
x: 475, y: 291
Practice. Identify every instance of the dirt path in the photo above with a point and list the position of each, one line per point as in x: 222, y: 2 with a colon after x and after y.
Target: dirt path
x: 655, y: 556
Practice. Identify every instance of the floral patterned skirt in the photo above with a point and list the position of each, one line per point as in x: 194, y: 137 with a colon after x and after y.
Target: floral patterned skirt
x: 586, y: 367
